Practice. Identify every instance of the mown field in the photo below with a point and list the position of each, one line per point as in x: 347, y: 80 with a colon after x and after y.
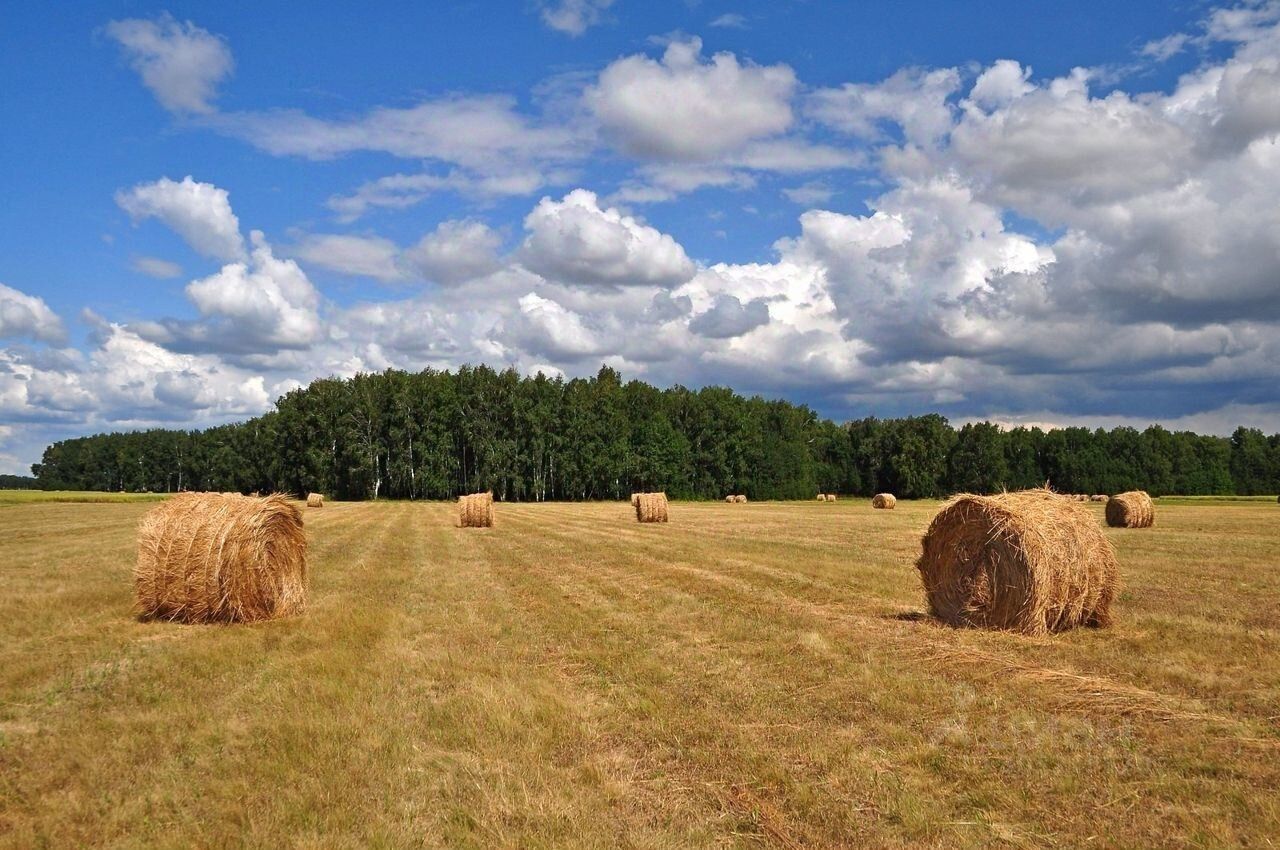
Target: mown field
x: 747, y: 676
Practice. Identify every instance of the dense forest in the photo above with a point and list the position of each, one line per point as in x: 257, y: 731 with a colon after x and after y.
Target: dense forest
x: 433, y: 435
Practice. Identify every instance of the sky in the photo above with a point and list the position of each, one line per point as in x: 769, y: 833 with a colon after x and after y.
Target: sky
x: 1052, y: 213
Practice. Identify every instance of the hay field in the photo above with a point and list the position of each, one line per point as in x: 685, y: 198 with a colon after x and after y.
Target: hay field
x: 745, y: 676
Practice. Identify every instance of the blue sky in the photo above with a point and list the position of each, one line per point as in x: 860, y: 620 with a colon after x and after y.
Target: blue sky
x: 1046, y: 212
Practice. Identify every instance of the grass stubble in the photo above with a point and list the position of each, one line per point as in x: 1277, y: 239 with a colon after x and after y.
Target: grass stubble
x: 758, y: 676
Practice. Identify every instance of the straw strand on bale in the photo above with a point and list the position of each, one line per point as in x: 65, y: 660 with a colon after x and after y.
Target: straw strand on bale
x: 651, y: 507
x: 476, y: 510
x: 315, y: 500
x: 1131, y: 510
x: 884, y: 501
x: 1029, y: 562
x: 206, y: 557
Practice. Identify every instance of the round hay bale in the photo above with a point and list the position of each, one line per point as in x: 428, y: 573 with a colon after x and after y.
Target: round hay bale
x: 822, y: 497
x: 1133, y: 509
x: 635, y: 499
x: 740, y: 499
x: 831, y: 497
x: 476, y: 510
x: 884, y: 501
x: 1029, y: 562
x: 652, y: 507
x: 210, y: 558
x: 731, y: 499
x: 315, y: 500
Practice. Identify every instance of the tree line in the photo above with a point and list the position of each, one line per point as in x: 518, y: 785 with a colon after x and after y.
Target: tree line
x: 437, y: 434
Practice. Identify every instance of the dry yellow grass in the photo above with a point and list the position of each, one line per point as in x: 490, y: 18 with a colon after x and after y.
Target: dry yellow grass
x: 577, y: 679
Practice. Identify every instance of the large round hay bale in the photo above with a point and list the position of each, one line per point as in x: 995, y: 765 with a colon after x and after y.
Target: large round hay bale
x: 315, y: 500
x: 740, y: 499
x: 822, y: 497
x: 476, y: 510
x: 651, y: 507
x: 1133, y: 509
x: 635, y: 499
x: 206, y: 557
x: 1028, y: 561
x: 731, y: 499
x: 884, y: 501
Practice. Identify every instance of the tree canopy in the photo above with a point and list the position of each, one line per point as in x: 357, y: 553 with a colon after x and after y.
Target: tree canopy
x: 437, y: 434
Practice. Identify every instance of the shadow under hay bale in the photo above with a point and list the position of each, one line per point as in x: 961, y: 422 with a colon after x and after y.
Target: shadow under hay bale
x: 1131, y: 510
x: 1029, y: 562
x: 884, y: 501
x: 476, y: 510
x: 210, y: 558
x: 315, y: 500
x: 651, y: 507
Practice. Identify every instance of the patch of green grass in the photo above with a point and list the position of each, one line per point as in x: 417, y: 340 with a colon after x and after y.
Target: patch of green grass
x: 745, y: 676
x: 26, y: 497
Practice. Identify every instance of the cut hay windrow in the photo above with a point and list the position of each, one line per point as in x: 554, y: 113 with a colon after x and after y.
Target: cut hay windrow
x: 884, y: 501
x: 476, y: 510
x: 210, y: 558
x: 315, y: 500
x: 651, y: 507
x: 1133, y: 509
x: 1029, y: 562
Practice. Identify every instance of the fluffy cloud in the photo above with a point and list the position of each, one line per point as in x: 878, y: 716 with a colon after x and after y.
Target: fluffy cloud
x: 262, y: 305
x: 359, y: 256
x: 476, y: 132
x: 23, y: 315
x: 729, y: 317
x: 198, y: 212
x: 156, y: 267
x: 685, y: 108
x: 574, y: 240
x: 456, y: 251
x: 181, y: 63
x: 573, y: 17
x: 914, y: 99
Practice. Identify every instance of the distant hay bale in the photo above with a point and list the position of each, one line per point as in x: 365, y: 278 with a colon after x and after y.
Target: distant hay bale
x: 635, y: 499
x: 740, y: 499
x: 1133, y: 509
x: 476, y: 510
x: 731, y: 499
x: 822, y: 497
x: 315, y: 500
x: 1029, y: 562
x: 884, y: 501
x: 831, y: 497
x: 651, y: 507
x: 1097, y: 498
x: 206, y: 558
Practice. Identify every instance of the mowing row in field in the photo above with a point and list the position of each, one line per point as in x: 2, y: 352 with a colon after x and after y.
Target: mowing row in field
x: 1031, y: 561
